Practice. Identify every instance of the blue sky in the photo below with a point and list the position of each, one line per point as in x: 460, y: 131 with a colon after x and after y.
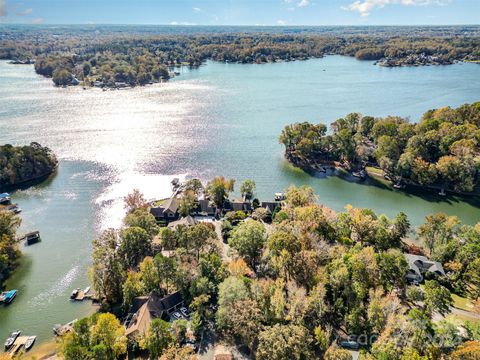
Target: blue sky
x: 241, y: 12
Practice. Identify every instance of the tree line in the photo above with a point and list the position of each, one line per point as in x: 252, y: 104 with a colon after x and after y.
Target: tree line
x: 140, y: 57
x: 441, y: 150
x: 291, y: 286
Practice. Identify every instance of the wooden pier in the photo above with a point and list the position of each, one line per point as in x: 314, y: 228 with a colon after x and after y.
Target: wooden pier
x: 17, y: 345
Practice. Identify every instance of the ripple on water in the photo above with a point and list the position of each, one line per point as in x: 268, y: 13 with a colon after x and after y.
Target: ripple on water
x: 58, y: 289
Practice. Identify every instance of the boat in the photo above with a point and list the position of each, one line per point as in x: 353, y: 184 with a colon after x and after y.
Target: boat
x: 14, y: 209
x: 29, y: 343
x: 74, y: 293
x: 32, y: 237
x: 175, y: 183
x: 8, y: 296
x: 360, y: 174
x: 87, y: 290
x: 399, y: 186
x: 11, y: 339
x: 4, y: 198
x: 59, y: 329
x: 279, y: 196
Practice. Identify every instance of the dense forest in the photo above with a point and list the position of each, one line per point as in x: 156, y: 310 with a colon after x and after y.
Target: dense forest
x: 20, y: 164
x: 9, y: 252
x: 293, y: 285
x: 442, y: 150
x: 116, y: 57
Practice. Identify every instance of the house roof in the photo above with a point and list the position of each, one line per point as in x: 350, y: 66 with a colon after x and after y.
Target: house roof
x: 421, y: 264
x: 146, y: 308
x: 205, y: 207
x: 186, y: 221
x: 171, y: 205
x: 271, y: 205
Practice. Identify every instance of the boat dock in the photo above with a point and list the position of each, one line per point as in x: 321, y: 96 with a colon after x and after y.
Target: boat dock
x: 81, y: 295
x: 17, y: 345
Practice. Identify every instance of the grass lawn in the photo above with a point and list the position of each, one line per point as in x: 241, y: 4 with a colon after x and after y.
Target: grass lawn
x: 461, y: 319
x: 462, y: 303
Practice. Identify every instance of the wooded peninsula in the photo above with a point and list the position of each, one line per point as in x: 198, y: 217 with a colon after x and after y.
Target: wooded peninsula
x: 441, y: 151
x: 24, y: 164
x: 116, y: 56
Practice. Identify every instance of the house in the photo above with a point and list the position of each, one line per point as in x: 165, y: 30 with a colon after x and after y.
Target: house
x: 185, y: 221
x: 271, y: 205
x: 205, y: 208
x: 146, y: 308
x: 168, y: 211
x: 420, y: 265
x: 239, y: 205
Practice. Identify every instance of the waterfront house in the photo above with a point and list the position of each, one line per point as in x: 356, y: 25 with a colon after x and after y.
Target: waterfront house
x: 205, y: 208
x: 167, y: 211
x: 420, y: 265
x: 146, y: 308
x: 271, y: 205
x: 239, y: 205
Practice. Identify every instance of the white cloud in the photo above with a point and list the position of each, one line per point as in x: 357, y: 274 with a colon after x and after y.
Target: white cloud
x: 298, y: 3
x: 281, y: 22
x: 197, y: 9
x: 3, y: 7
x: 184, y: 23
x: 303, y: 3
x: 364, y: 7
x: 38, y: 20
x: 24, y: 12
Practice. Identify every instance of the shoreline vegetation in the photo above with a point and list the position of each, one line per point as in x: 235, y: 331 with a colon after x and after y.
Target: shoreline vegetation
x: 25, y: 165
x: 295, y: 278
x: 441, y: 152
x: 111, y: 57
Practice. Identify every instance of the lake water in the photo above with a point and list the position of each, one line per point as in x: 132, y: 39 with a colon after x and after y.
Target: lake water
x: 220, y: 119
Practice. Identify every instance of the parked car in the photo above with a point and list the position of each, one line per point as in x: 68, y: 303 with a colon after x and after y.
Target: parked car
x: 176, y: 316
x: 350, y: 345
x: 185, y: 312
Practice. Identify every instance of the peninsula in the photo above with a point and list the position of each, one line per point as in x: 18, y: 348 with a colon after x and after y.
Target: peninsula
x: 21, y: 165
x: 441, y: 151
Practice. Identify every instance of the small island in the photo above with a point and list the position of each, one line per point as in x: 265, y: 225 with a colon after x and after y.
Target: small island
x: 440, y: 152
x: 22, y: 165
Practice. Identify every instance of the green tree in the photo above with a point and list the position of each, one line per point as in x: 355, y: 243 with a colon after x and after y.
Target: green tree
x: 218, y: 190
x: 248, y: 240
x: 108, y: 332
x: 135, y: 244
x: 437, y: 298
x: 143, y: 219
x: 299, y: 196
x: 247, y: 189
x: 280, y: 342
x: 62, y: 77
x: 106, y: 272
x: 188, y: 203
x: 158, y: 338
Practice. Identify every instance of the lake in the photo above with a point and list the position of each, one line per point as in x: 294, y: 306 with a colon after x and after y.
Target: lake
x: 220, y: 119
